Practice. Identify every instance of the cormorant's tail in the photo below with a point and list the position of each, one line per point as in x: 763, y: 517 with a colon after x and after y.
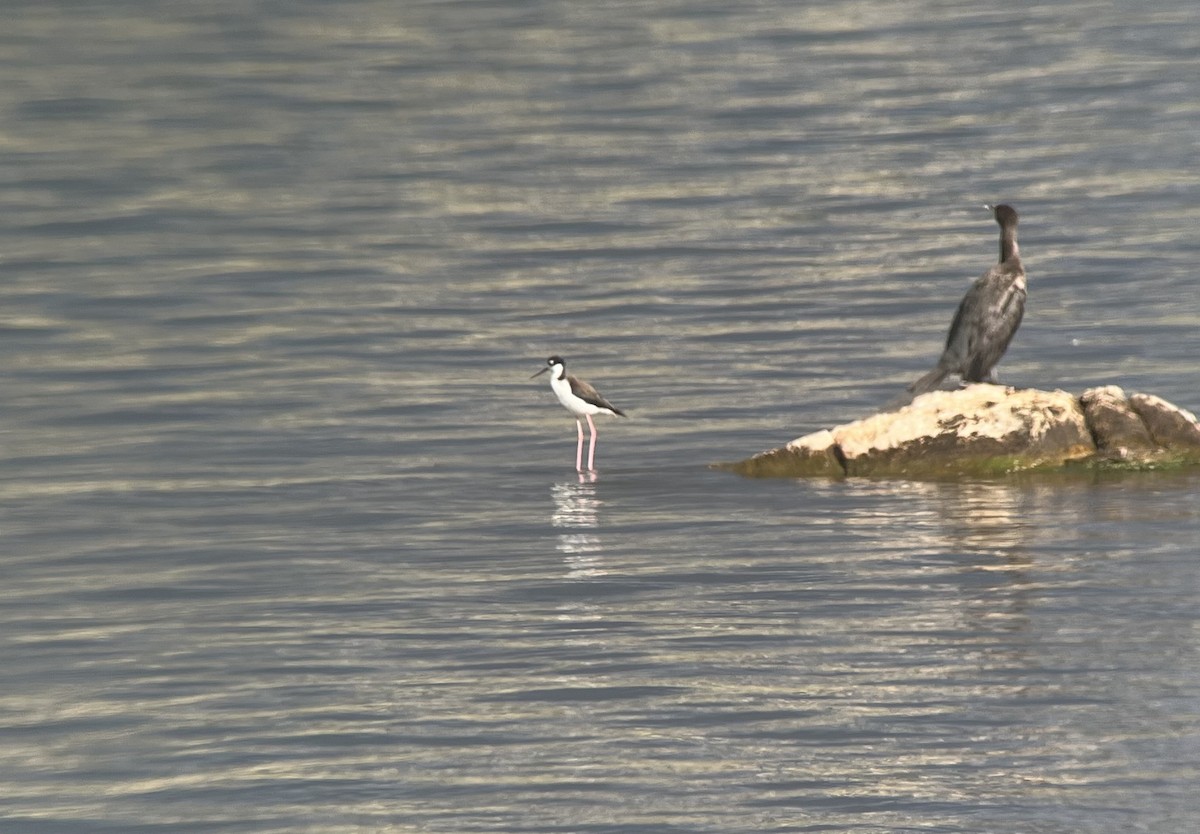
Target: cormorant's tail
x: 930, y: 381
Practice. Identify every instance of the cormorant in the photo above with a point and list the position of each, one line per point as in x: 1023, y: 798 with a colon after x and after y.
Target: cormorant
x: 987, y: 317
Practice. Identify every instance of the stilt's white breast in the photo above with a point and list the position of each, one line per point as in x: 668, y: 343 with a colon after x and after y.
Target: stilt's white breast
x: 576, y: 405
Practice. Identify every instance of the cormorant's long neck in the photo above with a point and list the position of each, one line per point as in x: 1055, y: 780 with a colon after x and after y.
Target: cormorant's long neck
x: 1008, y: 243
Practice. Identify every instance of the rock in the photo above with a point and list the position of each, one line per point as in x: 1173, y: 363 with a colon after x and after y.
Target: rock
x: 1172, y: 427
x: 817, y: 455
x: 990, y: 429
x: 1119, y: 432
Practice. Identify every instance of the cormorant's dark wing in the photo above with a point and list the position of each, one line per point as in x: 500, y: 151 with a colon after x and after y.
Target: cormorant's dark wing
x: 1003, y: 316
x: 985, y: 322
x: 965, y: 328
x: 958, y: 342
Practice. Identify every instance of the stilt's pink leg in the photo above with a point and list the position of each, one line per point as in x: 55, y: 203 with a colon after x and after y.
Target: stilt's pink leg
x: 592, y: 446
x: 579, y: 447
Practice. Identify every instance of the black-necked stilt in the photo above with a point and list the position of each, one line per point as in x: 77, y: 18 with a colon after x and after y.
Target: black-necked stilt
x: 582, y: 400
x: 987, y: 317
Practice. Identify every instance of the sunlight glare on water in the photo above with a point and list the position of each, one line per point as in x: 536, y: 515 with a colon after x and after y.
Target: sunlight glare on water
x: 293, y: 543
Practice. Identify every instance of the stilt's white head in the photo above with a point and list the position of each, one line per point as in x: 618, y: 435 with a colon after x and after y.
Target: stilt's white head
x: 556, y: 367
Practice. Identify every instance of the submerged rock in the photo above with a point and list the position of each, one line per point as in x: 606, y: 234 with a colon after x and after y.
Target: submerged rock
x: 992, y: 429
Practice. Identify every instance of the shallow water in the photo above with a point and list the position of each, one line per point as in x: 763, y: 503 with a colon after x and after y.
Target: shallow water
x: 294, y: 544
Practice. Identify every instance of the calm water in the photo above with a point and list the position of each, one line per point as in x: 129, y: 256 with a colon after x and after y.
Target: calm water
x: 293, y: 544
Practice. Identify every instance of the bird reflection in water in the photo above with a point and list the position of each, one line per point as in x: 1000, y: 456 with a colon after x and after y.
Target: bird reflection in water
x: 576, y: 515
